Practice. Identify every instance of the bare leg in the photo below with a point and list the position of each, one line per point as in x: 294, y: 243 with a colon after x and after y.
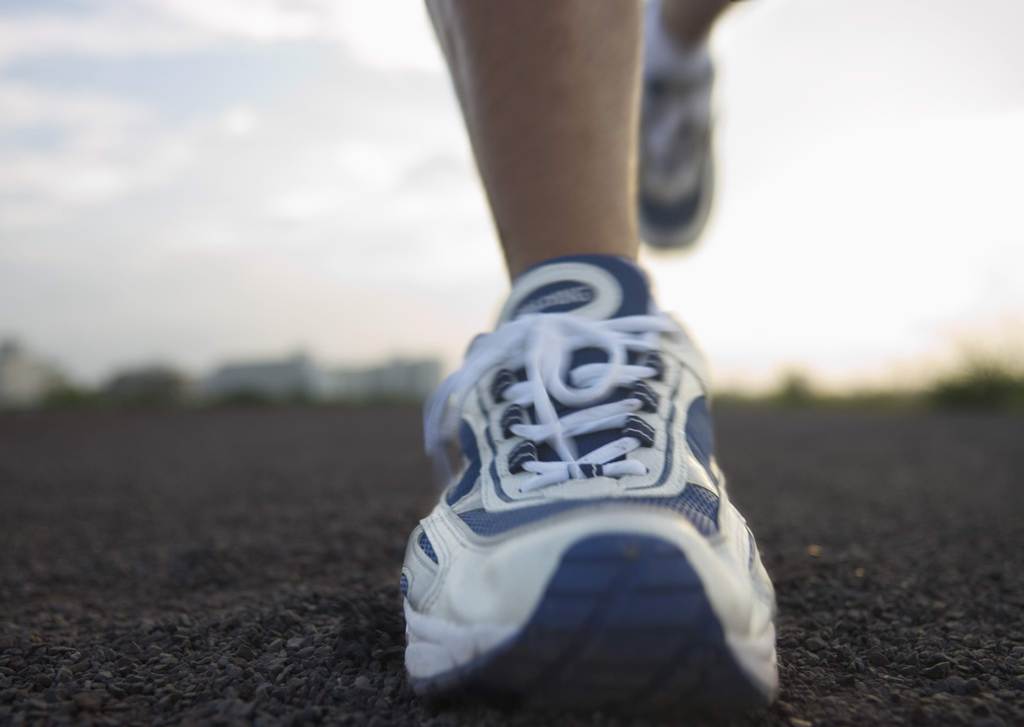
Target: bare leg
x: 689, y: 21
x: 550, y: 91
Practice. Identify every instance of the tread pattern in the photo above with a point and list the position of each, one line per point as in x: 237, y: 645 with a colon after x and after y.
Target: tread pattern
x: 624, y: 622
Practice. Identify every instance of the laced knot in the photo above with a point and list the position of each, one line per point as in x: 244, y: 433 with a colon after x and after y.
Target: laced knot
x: 543, y: 345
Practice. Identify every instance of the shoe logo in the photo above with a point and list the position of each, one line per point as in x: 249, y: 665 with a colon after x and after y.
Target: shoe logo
x: 557, y: 301
x: 584, y: 289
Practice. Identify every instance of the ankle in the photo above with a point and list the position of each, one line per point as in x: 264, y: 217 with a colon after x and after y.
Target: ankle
x: 521, y: 258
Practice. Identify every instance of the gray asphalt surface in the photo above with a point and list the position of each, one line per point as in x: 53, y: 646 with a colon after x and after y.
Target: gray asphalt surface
x: 242, y: 566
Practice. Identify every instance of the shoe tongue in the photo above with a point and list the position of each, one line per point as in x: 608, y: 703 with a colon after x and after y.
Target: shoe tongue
x: 592, y: 286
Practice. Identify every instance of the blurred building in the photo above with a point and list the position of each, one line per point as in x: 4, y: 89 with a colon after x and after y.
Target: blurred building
x: 25, y: 380
x: 295, y: 377
x: 300, y: 377
x: 404, y: 379
x: 156, y: 385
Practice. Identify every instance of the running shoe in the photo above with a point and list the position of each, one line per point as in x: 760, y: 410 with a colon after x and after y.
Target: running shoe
x: 676, y: 169
x: 585, y: 553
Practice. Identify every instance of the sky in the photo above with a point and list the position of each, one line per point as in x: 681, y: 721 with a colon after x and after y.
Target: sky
x: 195, y: 182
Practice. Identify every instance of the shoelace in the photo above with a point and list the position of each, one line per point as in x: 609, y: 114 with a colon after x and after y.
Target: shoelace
x: 543, y: 343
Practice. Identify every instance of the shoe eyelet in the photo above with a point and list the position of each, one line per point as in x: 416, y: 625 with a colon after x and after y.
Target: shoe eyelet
x: 522, y: 453
x: 513, y: 415
x: 648, y: 399
x: 654, y: 360
x: 639, y: 429
x: 500, y: 383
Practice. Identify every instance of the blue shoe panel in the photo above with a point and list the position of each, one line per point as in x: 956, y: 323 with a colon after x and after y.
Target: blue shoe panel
x: 623, y: 623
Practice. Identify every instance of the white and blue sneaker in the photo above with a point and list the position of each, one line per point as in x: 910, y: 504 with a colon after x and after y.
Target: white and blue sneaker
x: 585, y: 554
x: 676, y: 167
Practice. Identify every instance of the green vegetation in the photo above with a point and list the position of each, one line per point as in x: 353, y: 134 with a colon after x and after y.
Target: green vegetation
x: 987, y: 383
x: 980, y: 383
x: 68, y: 396
x: 148, y: 387
x: 983, y: 383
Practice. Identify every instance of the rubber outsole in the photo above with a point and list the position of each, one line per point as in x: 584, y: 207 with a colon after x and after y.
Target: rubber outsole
x: 678, y: 225
x: 624, y: 622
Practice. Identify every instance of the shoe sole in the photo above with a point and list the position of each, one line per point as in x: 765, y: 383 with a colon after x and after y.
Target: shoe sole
x: 660, y: 235
x: 624, y: 622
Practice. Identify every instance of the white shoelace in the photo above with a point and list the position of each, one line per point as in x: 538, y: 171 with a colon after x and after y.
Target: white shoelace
x: 543, y: 343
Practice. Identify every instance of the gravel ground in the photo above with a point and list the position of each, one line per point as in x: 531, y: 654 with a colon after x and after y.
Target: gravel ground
x: 241, y: 566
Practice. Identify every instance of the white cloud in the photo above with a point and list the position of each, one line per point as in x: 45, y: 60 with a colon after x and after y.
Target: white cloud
x: 384, y: 33
x: 257, y: 224
x: 264, y: 20
x: 25, y: 105
x: 390, y: 34
x: 114, y: 30
x: 239, y: 121
x: 103, y: 148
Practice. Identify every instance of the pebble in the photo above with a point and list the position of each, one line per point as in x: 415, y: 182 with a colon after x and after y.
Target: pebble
x: 251, y: 578
x: 937, y: 671
x: 877, y: 658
